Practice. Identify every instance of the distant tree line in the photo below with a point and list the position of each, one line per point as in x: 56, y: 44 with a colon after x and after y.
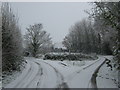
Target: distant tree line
x: 99, y: 35
x: 84, y: 38
x: 105, y: 29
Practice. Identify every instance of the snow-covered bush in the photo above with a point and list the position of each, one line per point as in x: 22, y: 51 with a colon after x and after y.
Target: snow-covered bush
x: 113, y: 66
x: 68, y: 56
x: 11, y: 40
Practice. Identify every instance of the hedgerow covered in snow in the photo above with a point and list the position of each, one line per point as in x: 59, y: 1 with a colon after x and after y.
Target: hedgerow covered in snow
x: 69, y: 56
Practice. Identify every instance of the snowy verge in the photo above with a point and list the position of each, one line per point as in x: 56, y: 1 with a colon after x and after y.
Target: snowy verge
x: 8, y: 77
x: 0, y: 81
x: 0, y: 85
x: 107, y: 77
x: 18, y: 77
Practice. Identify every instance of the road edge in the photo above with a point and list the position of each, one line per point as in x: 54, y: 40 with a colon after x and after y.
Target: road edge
x: 94, y: 76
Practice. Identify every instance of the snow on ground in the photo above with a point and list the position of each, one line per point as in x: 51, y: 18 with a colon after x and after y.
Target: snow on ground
x: 56, y: 74
x: 68, y: 67
x: 46, y: 73
x: 82, y: 79
x: 50, y: 76
x: 9, y: 77
x: 107, y: 78
x: 26, y: 77
x: 77, y: 74
x: 0, y: 85
x: 0, y: 80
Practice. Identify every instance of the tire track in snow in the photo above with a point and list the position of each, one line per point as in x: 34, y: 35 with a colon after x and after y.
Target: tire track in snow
x: 60, y: 78
x: 26, y: 78
x: 36, y: 80
x: 71, y: 76
x: 84, y: 76
x: 36, y: 74
x: 93, y: 79
x: 29, y: 77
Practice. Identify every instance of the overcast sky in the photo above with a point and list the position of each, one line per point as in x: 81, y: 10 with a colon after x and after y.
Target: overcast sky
x: 56, y: 18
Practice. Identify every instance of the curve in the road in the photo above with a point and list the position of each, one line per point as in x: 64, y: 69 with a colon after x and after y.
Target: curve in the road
x: 27, y: 76
x: 71, y: 76
x: 35, y: 82
x: 60, y: 78
x: 93, y: 79
x: 85, y: 75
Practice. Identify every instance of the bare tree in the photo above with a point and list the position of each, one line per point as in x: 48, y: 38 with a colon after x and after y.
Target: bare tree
x: 81, y: 38
x: 37, y: 39
x: 11, y: 40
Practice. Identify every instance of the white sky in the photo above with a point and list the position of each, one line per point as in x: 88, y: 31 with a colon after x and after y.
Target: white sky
x: 56, y: 18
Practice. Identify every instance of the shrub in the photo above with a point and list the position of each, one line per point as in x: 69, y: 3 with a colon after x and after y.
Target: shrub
x: 68, y: 56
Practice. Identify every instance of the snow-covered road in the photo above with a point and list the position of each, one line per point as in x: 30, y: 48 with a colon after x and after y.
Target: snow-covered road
x: 79, y: 77
x: 55, y: 74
